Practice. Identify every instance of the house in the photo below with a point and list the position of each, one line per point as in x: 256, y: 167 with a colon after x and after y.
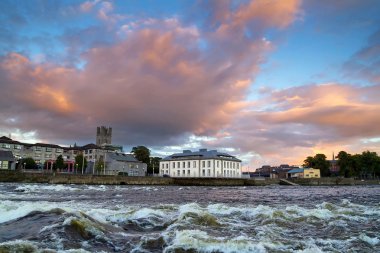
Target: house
x: 7, y: 160
x: 304, y: 173
x: 202, y: 163
x: 124, y: 164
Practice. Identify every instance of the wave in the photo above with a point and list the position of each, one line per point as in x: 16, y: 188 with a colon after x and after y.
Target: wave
x: 192, y: 227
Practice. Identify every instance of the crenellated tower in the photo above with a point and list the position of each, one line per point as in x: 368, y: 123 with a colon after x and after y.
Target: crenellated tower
x: 103, y: 135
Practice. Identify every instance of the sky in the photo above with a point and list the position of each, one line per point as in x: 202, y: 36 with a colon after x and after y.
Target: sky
x: 271, y: 82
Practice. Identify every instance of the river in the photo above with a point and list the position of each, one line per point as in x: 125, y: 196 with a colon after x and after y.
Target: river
x: 83, y: 218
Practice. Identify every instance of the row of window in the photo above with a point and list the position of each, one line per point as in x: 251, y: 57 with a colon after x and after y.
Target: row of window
x: 8, y: 146
x: 187, y: 164
x: 204, y: 173
x: 36, y: 148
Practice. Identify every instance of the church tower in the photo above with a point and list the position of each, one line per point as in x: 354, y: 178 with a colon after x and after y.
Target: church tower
x: 103, y: 135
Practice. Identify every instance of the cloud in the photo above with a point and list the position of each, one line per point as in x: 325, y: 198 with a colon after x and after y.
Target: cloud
x: 305, y: 120
x: 154, y: 86
x: 365, y: 64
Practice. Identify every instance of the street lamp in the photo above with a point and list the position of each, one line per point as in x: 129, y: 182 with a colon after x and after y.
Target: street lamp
x: 76, y: 168
x: 24, y: 165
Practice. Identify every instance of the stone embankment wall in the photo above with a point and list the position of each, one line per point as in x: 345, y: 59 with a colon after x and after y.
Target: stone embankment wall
x: 58, y: 178
x: 15, y: 176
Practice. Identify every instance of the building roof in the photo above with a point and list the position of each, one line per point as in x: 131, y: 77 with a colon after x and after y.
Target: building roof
x: 201, y: 154
x: 295, y: 171
x: 122, y: 157
x: 91, y: 146
x: 46, y: 145
x: 4, y: 139
x: 6, y: 155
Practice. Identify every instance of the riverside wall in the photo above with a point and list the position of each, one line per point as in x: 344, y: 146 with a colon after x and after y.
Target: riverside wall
x: 61, y: 178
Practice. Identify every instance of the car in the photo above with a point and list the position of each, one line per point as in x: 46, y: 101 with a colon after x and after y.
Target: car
x: 165, y: 175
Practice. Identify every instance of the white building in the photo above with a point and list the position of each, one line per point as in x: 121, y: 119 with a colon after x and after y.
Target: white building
x: 202, y: 163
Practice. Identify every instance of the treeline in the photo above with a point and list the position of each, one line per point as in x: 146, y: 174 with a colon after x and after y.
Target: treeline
x: 364, y: 165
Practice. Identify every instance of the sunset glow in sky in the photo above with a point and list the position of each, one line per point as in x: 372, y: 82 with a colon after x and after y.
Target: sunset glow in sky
x: 269, y: 81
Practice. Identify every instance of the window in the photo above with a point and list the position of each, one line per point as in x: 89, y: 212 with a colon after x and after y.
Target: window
x: 188, y: 172
x: 173, y: 165
x: 178, y: 172
x: 6, y: 146
x: 179, y: 164
x: 48, y: 149
x: 183, y: 172
x: 209, y: 164
x: 203, y: 172
x: 208, y: 172
x: 203, y: 164
x: 188, y: 164
x: 233, y: 165
x: 17, y: 147
x: 183, y: 164
x: 217, y: 163
x: 224, y: 164
x: 194, y: 164
x: 167, y: 165
x: 37, y: 148
x: 58, y: 150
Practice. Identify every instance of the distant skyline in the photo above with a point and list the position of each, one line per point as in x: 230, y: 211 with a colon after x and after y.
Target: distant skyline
x: 268, y: 81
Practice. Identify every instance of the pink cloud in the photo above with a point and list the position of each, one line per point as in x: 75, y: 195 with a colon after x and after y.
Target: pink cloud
x: 303, y: 121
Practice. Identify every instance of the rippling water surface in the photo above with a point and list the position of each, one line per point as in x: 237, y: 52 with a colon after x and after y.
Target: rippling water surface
x: 80, y: 218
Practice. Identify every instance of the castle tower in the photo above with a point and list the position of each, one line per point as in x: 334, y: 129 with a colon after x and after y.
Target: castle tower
x: 103, y: 135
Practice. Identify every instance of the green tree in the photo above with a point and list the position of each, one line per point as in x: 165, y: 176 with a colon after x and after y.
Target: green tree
x: 99, y: 165
x: 356, y: 163
x: 79, y: 161
x: 309, y: 162
x: 154, y: 163
x: 345, y: 164
x: 59, y: 163
x: 370, y: 164
x: 318, y: 162
x: 28, y: 163
x: 142, y: 154
x: 322, y: 164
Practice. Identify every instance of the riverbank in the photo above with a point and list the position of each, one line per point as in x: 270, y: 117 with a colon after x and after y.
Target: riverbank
x: 60, y: 178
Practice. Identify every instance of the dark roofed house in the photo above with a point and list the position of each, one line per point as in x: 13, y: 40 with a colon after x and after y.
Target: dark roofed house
x: 124, y: 164
x: 7, y: 160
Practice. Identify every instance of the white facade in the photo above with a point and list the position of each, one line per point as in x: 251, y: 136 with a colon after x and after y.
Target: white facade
x: 215, y: 165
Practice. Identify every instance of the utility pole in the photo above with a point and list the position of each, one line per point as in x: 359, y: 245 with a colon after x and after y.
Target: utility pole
x: 105, y: 157
x: 82, y: 162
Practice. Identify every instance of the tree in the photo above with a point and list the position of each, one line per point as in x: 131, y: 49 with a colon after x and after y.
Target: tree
x: 309, y: 162
x: 154, y: 163
x: 59, y: 163
x: 99, y: 164
x: 318, y: 162
x: 370, y: 164
x: 345, y: 164
x: 79, y: 161
x: 356, y: 163
x: 142, y: 154
x: 322, y: 164
x: 28, y: 163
